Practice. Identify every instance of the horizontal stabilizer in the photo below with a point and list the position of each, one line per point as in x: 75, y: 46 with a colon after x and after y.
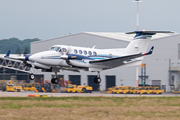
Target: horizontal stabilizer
x: 148, y: 32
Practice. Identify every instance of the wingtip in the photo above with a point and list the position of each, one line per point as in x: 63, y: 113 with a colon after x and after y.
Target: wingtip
x: 150, y: 51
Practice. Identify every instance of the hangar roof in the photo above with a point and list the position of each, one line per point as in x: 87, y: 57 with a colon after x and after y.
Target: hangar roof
x: 126, y: 37
x: 114, y: 35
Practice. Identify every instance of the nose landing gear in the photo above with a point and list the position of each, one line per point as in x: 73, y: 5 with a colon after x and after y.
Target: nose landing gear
x: 97, y: 79
x: 31, y: 76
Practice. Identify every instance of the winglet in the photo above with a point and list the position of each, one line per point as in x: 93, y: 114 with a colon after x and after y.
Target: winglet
x: 8, y: 53
x: 150, y: 51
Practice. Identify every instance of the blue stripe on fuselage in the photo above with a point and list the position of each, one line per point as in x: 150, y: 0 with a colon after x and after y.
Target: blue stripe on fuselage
x: 80, y: 57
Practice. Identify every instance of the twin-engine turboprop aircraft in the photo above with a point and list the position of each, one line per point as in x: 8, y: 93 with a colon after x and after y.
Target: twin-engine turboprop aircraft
x: 73, y: 58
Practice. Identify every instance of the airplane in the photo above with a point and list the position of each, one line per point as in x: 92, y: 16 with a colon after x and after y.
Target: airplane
x: 74, y: 58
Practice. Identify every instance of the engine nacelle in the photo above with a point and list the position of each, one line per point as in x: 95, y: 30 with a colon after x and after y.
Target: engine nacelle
x: 85, y: 64
x: 38, y: 65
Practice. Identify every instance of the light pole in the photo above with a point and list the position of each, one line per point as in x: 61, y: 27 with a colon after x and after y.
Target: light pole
x: 137, y: 1
x: 137, y: 67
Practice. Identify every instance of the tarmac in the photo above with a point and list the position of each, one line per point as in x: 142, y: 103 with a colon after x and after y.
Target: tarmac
x: 93, y: 94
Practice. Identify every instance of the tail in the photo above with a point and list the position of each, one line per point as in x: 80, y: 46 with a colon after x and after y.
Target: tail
x: 141, y: 41
x: 8, y: 53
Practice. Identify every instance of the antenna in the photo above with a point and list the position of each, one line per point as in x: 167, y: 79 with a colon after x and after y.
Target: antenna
x: 137, y: 1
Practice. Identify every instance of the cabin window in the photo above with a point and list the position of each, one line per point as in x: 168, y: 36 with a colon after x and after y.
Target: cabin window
x: 85, y: 52
x: 94, y: 53
x: 80, y: 51
x: 90, y: 53
x: 75, y: 51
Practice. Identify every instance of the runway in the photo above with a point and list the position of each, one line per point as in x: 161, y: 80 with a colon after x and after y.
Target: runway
x: 93, y: 94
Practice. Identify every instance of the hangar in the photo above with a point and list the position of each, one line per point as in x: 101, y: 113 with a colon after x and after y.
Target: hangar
x: 162, y: 67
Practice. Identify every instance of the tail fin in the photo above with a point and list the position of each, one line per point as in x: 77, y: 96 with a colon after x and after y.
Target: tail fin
x: 141, y: 41
x: 8, y: 53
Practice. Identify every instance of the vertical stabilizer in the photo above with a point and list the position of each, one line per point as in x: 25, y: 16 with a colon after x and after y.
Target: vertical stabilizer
x: 141, y: 41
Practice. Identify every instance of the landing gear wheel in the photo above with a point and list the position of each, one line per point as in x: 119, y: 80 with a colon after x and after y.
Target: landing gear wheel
x: 52, y: 80
x: 56, y: 81
x: 97, y: 79
x: 31, y: 76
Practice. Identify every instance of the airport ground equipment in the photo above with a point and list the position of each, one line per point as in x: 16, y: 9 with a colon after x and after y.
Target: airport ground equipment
x: 135, y: 90
x: 29, y: 87
x: 124, y: 90
x: 176, y: 91
x: 12, y: 88
x: 109, y: 90
x: 14, y: 64
x: 157, y: 90
x: 39, y: 88
x: 70, y: 88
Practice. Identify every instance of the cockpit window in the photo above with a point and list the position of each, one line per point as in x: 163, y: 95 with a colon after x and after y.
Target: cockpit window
x: 64, y: 50
x: 54, y: 48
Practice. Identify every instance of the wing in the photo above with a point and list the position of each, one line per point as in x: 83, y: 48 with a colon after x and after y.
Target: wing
x: 118, y: 61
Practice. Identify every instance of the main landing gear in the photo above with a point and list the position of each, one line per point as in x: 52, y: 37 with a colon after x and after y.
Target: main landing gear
x: 54, y: 80
x: 97, y: 79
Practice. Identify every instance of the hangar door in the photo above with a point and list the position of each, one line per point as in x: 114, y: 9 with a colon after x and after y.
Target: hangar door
x: 110, y: 81
x: 92, y: 84
x: 75, y: 79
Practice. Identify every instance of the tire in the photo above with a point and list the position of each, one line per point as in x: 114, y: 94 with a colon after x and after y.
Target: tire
x: 18, y: 90
x: 52, y: 80
x: 97, y: 80
x: 56, y: 81
x: 84, y: 90
x: 31, y: 76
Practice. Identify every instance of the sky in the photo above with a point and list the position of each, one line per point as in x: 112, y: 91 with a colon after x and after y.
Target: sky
x: 45, y: 19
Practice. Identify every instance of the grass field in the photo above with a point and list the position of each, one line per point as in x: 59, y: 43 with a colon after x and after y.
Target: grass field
x: 90, y: 108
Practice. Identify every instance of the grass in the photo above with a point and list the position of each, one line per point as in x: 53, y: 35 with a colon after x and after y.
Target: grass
x: 90, y: 108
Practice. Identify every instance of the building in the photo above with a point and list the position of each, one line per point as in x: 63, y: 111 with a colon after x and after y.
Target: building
x: 159, y: 67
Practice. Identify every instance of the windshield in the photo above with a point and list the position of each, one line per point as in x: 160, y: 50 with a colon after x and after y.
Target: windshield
x: 54, y: 48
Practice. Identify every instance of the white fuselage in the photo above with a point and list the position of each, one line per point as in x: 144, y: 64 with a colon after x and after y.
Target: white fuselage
x: 54, y: 56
